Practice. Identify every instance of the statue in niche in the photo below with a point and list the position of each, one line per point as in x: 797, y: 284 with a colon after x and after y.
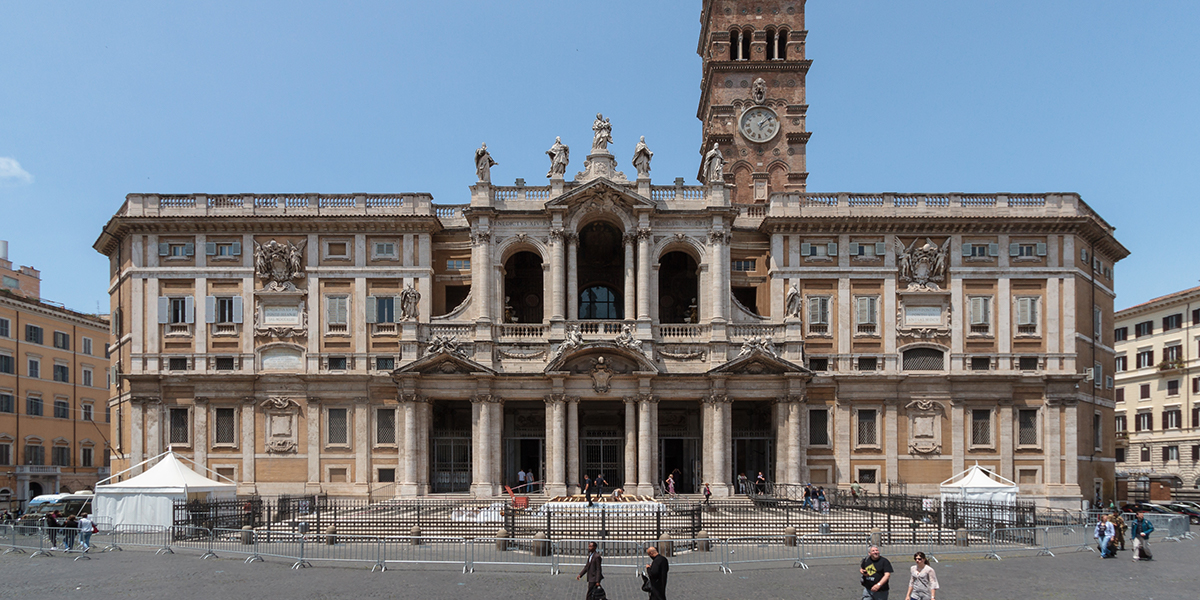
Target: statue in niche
x: 759, y: 91
x: 278, y: 265
x: 602, y: 134
x: 560, y: 156
x: 793, y: 303
x: 410, y: 300
x: 923, y: 268
x: 510, y: 315
x: 641, y: 158
x: 484, y: 164
x: 693, y: 314
x: 714, y: 165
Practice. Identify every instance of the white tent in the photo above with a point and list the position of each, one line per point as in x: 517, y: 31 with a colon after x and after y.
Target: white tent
x: 149, y: 498
x: 978, y: 485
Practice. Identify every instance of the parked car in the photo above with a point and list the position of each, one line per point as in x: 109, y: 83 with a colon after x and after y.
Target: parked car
x: 1148, y: 507
x: 1191, y: 511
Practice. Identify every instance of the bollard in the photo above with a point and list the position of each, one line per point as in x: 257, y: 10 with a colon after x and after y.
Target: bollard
x: 702, y: 543
x: 823, y: 528
x: 789, y: 536
x: 331, y: 535
x: 247, y: 535
x: 541, y: 544
x: 415, y: 534
x: 876, y: 536
x: 665, y: 546
x: 960, y: 537
x: 502, y: 539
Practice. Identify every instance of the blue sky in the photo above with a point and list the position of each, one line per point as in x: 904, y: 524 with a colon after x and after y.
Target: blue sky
x: 98, y: 100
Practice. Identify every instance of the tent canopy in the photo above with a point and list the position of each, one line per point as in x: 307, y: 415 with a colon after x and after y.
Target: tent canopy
x: 169, y: 475
x: 149, y: 498
x: 976, y: 484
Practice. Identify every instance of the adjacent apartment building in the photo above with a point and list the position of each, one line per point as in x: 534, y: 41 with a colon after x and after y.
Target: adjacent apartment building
x: 608, y: 323
x: 1158, y: 389
x: 53, y: 393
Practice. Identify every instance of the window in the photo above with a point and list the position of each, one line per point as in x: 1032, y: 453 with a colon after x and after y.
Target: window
x: 744, y: 265
x: 868, y: 363
x: 981, y: 427
x: 6, y: 364
x: 1172, y: 354
x: 62, y: 373
x: 818, y: 249
x: 383, y: 250
x: 818, y: 314
x: 60, y: 456
x: 385, y: 363
x: 338, y: 433
x: 225, y: 363
x: 1120, y: 455
x: 35, y: 368
x: 62, y: 409
x: 177, y: 250
x: 1145, y: 358
x: 33, y: 406
x: 1097, y: 375
x: 1196, y: 385
x: 458, y: 264
x: 818, y: 364
x: 1170, y: 453
x: 226, y: 426
x: 1027, y: 363
x: 177, y: 364
x: 1173, y: 387
x: 1144, y: 421
x: 385, y: 426
x: 1119, y: 395
x: 1121, y: 363
x: 1027, y: 315
x: 868, y: 249
x: 180, y: 426
x: 1027, y: 250
x: 178, y: 310
x: 1143, y: 329
x: 223, y: 250
x: 599, y: 302
x: 88, y: 412
x: 983, y: 250
x: 1120, y: 423
x: 86, y: 456
x: 87, y: 377
x: 1121, y: 334
x: 818, y: 427
x: 1172, y: 418
x: 981, y: 314
x: 867, y: 431
x: 337, y: 314
x: 1097, y: 322
x: 62, y: 340
x: 1174, y: 321
x: 337, y: 363
x: 981, y: 363
x: 5, y: 330
x: 866, y: 475
x: 1097, y: 429
x: 33, y: 334
x: 924, y: 359
x: 1144, y: 391
x: 1195, y: 452
x: 35, y: 454
x: 1027, y: 427
x: 8, y: 403
x: 5, y: 455
x: 381, y: 309
x: 1145, y: 454
x: 386, y: 475
x: 337, y: 250
x: 223, y: 310
x: 866, y: 314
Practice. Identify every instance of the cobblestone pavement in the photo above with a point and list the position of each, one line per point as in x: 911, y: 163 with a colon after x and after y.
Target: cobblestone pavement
x: 137, y: 575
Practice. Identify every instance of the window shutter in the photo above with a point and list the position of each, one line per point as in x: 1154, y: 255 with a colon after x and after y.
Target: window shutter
x: 1083, y: 255
x: 210, y: 309
x: 189, y: 310
x: 395, y: 309
x: 210, y: 248
x: 1014, y: 249
x: 833, y: 248
x: 853, y: 248
x: 863, y: 311
x: 189, y: 249
x: 805, y: 249
x: 976, y: 311
x: 237, y: 309
x: 1041, y: 248
x: 372, y: 308
x: 1165, y: 454
x: 872, y: 306
x: 164, y: 310
x: 164, y: 249
x: 880, y: 249
x: 236, y: 250
x: 966, y: 249
x: 824, y: 308
x: 1023, y: 316
x: 993, y: 249
x: 1033, y: 314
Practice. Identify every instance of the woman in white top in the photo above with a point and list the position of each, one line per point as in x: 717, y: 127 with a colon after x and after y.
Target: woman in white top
x: 922, y: 583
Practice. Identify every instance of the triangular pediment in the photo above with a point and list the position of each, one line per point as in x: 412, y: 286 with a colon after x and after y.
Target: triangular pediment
x: 601, y: 191
x: 585, y: 358
x: 443, y: 363
x: 759, y: 362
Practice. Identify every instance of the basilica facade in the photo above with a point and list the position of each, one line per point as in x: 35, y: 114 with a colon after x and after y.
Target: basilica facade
x: 604, y: 323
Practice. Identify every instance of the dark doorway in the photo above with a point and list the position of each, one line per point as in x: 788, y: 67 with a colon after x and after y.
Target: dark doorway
x: 525, y: 443
x: 753, y: 439
x: 523, y: 288
x: 680, y: 456
x: 601, y: 261
x: 677, y: 287
x: 450, y: 448
x: 35, y: 490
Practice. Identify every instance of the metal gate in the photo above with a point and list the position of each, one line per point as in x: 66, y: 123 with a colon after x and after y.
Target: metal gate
x: 605, y: 455
x: 451, y: 465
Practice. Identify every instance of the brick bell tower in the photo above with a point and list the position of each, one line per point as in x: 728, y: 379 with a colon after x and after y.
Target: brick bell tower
x: 752, y: 99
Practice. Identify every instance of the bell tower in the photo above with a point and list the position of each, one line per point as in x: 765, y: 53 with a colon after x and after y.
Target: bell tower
x: 752, y: 99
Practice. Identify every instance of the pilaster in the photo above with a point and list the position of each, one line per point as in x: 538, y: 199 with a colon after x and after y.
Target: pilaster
x: 573, y: 475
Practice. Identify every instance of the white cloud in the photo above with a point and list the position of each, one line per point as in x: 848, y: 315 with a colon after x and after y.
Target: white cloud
x: 12, y: 173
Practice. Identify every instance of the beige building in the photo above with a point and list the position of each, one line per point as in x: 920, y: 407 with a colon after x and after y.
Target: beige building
x: 53, y: 395
x: 1158, y: 389
x: 605, y: 323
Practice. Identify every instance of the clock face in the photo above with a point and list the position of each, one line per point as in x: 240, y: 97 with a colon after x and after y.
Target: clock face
x: 759, y: 124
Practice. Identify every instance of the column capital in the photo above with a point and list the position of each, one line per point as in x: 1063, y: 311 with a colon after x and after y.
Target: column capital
x: 629, y: 239
x: 716, y: 399
x: 200, y: 400
x: 717, y: 237
x: 481, y: 238
x: 557, y: 235
x: 361, y: 400
x: 792, y: 399
x: 142, y: 400
x: 412, y: 398
x: 250, y: 400
x: 571, y: 238
x: 643, y: 233
x: 553, y: 399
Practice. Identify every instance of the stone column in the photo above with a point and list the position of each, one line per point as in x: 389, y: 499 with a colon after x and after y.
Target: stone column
x: 558, y: 306
x: 497, y: 444
x: 573, y: 476
x: 572, y: 276
x: 782, y: 441
x: 247, y: 444
x: 630, y: 277
x: 425, y: 411
x: 362, y: 442
x: 720, y: 275
x: 800, y: 412
x: 312, y: 442
x: 551, y: 448
x: 408, y: 479
x: 794, y: 459
x: 481, y: 275
x: 631, y: 444
x: 707, y: 440
x: 722, y: 419
x: 481, y: 450
x: 646, y: 440
x: 643, y: 274
x: 957, y: 437
x: 556, y: 445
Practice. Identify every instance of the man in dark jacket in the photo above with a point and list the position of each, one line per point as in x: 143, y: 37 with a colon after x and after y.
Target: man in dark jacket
x: 593, y: 569
x: 1140, y: 532
x: 52, y: 526
x: 656, y: 571
x: 587, y: 488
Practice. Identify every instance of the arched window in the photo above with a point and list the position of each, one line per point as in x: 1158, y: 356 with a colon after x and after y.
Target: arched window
x: 747, y: 35
x: 735, y: 44
x: 924, y: 359
x: 770, y: 44
x: 599, y: 302
x: 781, y: 40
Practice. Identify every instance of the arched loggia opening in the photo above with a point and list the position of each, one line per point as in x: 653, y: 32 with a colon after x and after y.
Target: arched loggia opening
x: 523, y: 290
x: 677, y: 288
x: 601, y: 276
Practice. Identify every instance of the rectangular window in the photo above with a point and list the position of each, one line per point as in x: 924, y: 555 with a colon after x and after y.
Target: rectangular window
x: 1120, y: 423
x: 1173, y: 387
x: 1174, y: 321
x: 1027, y: 315
x: 62, y: 340
x: 981, y: 314
x: 226, y: 426
x: 867, y: 435
x: 818, y: 364
x: 1027, y: 363
x: 1196, y: 317
x: 1145, y: 359
x: 385, y: 363
x: 5, y: 455
x: 178, y: 310
x: 385, y: 426
x: 1196, y: 385
x: 1119, y: 394
x: 337, y: 313
x: 744, y: 265
x: 338, y: 433
x: 1145, y: 454
x: 88, y: 412
x: 180, y: 426
x: 35, y: 368
x: 818, y: 314
x: 1097, y: 375
x: 225, y: 363
x: 87, y: 377
x: 224, y: 309
x: 5, y: 330
x: 1170, y: 453
x: 977, y: 250
x: 62, y: 409
x: 1172, y: 354
x: 60, y: 456
x: 1027, y: 427
x: 1120, y: 455
x: 981, y: 363
x: 1195, y: 452
x: 1121, y: 334
x: 384, y: 249
x: 1097, y: 322
x: 8, y: 403
x: 387, y: 475
x: 981, y: 427
x: 6, y: 364
x: 1143, y: 329
x: 818, y: 427
x: 35, y: 455
x: 1144, y: 421
x: 866, y: 475
x: 337, y: 250
x: 1172, y: 419
x: 337, y: 363
x: 1097, y: 429
x: 866, y: 314
x: 86, y: 456
x: 458, y: 265
x: 33, y: 334
x: 177, y: 364
x: 381, y: 309
x: 223, y: 250
x: 1121, y: 363
x: 868, y: 363
x: 33, y: 406
x: 62, y: 373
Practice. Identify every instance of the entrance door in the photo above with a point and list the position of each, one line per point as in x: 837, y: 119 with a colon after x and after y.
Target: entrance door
x: 751, y: 455
x: 525, y: 454
x: 451, y: 465
x: 605, y: 456
x: 682, y: 454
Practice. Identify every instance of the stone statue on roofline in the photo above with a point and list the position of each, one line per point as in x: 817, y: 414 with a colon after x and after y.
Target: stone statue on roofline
x: 641, y: 158
x: 560, y: 156
x: 602, y: 134
x: 484, y: 164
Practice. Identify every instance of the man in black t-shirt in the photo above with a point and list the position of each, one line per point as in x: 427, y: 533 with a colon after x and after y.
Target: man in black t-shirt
x: 876, y: 571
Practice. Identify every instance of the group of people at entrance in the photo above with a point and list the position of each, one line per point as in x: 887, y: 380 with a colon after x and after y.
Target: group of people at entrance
x: 1110, y: 535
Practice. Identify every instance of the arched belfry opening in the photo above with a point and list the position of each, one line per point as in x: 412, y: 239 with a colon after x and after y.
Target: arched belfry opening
x: 524, y: 295
x: 678, y: 286
x: 601, y: 276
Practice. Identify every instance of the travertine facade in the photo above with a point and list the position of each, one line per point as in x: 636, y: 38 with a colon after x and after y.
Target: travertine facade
x: 603, y: 323
x: 1158, y: 389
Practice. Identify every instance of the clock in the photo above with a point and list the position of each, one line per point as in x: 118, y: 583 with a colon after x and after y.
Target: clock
x: 759, y: 124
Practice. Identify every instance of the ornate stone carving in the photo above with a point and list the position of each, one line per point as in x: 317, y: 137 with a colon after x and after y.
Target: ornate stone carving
x: 479, y: 238
x: 445, y: 343
x: 556, y: 236
x: 601, y: 134
x: 717, y: 237
x: 280, y: 446
x: 923, y: 268
x: 481, y: 398
x: 278, y: 265
x: 920, y: 332
x: 484, y: 164
x: 716, y: 399
x: 759, y: 91
x: 644, y: 233
x: 699, y: 355
x: 714, y: 165
x: 792, y: 399
x: 519, y: 355
x: 628, y: 239
x: 279, y: 403
x: 552, y: 399
x: 763, y: 343
x: 574, y: 340
x: 602, y: 375
x: 560, y: 157
x: 281, y: 423
x: 793, y: 306
x: 925, y: 427
x: 626, y: 339
x: 300, y: 329
x: 641, y: 158
x: 410, y: 301
x: 412, y: 398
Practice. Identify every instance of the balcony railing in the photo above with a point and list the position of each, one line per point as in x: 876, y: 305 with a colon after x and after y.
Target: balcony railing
x: 683, y: 331
x: 521, y: 331
x: 38, y: 470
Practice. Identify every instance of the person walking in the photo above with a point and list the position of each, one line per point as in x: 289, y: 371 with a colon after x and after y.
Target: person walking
x: 922, y: 580
x: 52, y: 526
x: 70, y: 529
x: 876, y: 571
x: 521, y: 479
x: 821, y: 503
x: 855, y: 490
x: 656, y: 573
x: 760, y: 483
x: 86, y: 528
x: 1098, y: 534
x: 587, y: 488
x: 599, y: 482
x: 671, y: 486
x: 1140, y: 532
x: 707, y: 493
x: 741, y: 483
x: 1119, y: 525
x: 594, y: 571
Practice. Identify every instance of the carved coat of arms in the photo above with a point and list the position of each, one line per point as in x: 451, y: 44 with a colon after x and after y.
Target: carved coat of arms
x: 924, y: 267
x: 279, y: 264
